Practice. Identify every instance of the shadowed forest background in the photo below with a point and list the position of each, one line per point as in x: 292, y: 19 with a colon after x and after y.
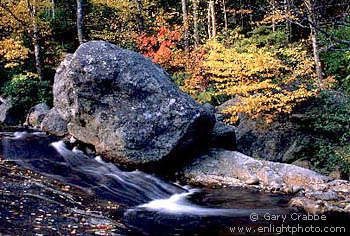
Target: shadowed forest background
x: 280, y: 60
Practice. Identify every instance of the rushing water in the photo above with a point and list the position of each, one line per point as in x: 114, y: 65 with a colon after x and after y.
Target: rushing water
x: 151, y: 205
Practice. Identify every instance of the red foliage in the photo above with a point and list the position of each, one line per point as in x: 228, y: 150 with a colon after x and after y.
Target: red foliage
x: 161, y: 44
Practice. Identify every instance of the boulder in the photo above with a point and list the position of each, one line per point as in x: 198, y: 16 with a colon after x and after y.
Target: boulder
x: 210, y: 108
x: 313, y: 192
x: 318, y: 207
x: 127, y: 106
x: 36, y: 114
x: 224, y: 136
x: 229, y: 103
x: 234, y: 165
x: 224, y: 106
x: 273, y: 142
x: 7, y: 112
x: 281, y: 142
x: 54, y: 124
x: 303, y: 163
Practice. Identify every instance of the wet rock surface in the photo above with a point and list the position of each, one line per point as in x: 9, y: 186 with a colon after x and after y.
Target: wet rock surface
x: 126, y: 106
x: 37, y: 205
x: 314, y: 193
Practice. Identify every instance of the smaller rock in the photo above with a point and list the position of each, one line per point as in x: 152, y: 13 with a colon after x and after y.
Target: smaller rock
x: 210, y: 108
x: 224, y: 136
x: 276, y: 186
x: 318, y: 207
x: 336, y: 174
x: 341, y: 186
x: 252, y: 181
x: 229, y: 103
x: 296, y: 189
x: 303, y: 164
x: 326, y: 196
x: 36, y: 114
x: 347, y: 208
x: 291, y: 152
x: 72, y: 139
x: 54, y: 124
x: 269, y: 177
x: 288, y: 190
x: 7, y: 111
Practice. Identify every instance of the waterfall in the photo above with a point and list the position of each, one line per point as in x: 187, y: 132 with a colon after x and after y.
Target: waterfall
x: 135, y: 189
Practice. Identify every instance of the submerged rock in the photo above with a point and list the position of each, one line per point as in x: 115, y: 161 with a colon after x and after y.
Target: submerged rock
x: 36, y: 114
x: 127, y: 106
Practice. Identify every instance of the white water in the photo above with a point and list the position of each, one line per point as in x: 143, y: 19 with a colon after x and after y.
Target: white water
x: 135, y: 189
x: 179, y: 204
x: 163, y: 196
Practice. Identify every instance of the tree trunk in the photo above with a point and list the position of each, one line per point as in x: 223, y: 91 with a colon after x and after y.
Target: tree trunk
x: 287, y: 8
x: 32, y: 10
x: 241, y: 13
x: 53, y: 9
x: 273, y: 15
x: 225, y: 15
x: 80, y: 21
x: 195, y: 22
x: 140, y: 21
x: 213, y: 20
x: 310, y: 4
x: 209, y: 22
x: 185, y: 23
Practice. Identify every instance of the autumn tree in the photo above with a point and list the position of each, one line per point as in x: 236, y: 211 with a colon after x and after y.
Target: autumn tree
x: 265, y: 85
x: 22, y: 16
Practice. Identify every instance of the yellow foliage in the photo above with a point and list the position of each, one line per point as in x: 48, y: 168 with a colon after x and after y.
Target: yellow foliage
x: 265, y: 85
x: 19, y: 19
x: 12, y: 52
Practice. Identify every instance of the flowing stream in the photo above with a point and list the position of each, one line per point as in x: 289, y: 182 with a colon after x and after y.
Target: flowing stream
x: 150, y: 205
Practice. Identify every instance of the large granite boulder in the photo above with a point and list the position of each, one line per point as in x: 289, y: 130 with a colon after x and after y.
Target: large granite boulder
x: 36, y: 114
x: 127, y: 107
